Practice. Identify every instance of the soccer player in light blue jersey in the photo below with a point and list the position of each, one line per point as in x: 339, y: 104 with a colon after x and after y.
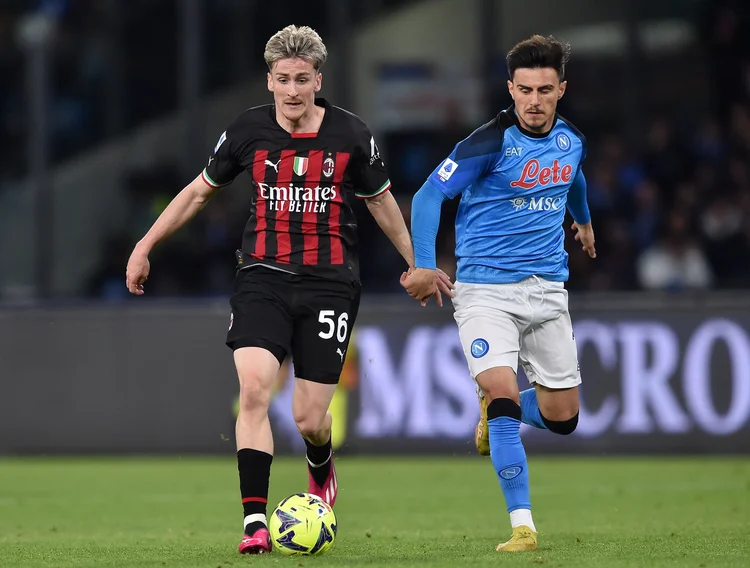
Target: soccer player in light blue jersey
x: 515, y: 176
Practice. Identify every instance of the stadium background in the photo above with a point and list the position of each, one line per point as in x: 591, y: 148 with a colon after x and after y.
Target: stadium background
x: 107, y: 108
x: 112, y: 108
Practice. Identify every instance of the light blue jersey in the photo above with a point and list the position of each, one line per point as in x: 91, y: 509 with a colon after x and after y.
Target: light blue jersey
x: 515, y: 187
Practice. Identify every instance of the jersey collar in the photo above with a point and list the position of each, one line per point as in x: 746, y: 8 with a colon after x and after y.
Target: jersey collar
x: 321, y: 102
x: 511, y: 110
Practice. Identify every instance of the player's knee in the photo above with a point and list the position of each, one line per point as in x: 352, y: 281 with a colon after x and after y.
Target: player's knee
x: 254, y: 396
x: 563, y: 427
x: 503, y: 407
x: 498, y: 383
x: 309, y: 425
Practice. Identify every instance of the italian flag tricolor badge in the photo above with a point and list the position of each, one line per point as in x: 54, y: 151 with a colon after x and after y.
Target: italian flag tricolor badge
x: 300, y: 166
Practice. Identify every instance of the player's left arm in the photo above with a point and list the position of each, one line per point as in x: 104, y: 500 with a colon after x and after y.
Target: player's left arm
x: 373, y: 185
x: 579, y: 210
x: 387, y: 214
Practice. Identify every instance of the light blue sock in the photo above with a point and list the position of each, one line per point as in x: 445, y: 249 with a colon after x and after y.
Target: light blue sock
x: 530, y: 409
x: 509, y: 459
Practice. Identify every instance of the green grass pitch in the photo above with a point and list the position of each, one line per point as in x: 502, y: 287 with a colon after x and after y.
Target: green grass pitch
x: 442, y: 512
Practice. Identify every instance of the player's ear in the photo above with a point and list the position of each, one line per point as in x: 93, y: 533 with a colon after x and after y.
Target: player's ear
x: 318, y: 81
x: 270, y: 82
x: 561, y: 92
x: 510, y: 89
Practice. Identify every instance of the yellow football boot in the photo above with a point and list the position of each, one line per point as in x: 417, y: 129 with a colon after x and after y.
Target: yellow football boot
x: 523, y: 540
x: 482, y: 431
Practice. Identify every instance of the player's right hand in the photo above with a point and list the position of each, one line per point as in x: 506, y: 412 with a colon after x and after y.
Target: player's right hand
x: 137, y: 271
x: 421, y: 283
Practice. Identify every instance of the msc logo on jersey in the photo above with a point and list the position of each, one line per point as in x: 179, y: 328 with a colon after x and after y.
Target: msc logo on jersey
x: 519, y: 203
x: 563, y: 142
x: 479, y: 348
x: 538, y: 203
x: 447, y: 169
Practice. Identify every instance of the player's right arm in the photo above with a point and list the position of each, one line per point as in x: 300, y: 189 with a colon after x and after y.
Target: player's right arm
x: 222, y: 168
x: 471, y: 159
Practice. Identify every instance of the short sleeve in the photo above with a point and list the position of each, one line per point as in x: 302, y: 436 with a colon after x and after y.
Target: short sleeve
x: 471, y: 159
x: 370, y: 174
x: 223, y: 165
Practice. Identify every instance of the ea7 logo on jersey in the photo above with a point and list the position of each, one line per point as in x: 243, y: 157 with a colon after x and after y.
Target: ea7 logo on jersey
x: 514, y: 151
x: 447, y: 169
x: 222, y: 139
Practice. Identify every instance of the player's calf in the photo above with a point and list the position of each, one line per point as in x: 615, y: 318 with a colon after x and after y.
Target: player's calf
x: 255, y: 470
x: 509, y: 460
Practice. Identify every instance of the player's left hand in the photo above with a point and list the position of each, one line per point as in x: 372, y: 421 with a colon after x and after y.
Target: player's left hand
x: 585, y: 236
x: 422, y: 283
x: 137, y: 271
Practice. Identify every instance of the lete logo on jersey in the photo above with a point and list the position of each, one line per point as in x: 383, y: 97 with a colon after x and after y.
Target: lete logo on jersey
x: 533, y: 174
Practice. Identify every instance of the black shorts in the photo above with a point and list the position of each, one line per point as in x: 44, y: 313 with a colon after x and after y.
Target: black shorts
x: 307, y: 317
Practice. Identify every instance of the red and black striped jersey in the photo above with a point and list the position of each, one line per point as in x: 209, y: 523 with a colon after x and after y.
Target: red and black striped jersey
x: 302, y: 219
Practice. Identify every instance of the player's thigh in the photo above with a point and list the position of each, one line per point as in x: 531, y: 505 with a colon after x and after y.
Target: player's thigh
x: 324, y: 316
x: 548, y: 349
x: 261, y: 313
x: 489, y: 334
x: 257, y: 369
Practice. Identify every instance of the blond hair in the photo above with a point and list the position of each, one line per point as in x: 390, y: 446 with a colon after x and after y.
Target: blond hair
x: 303, y: 42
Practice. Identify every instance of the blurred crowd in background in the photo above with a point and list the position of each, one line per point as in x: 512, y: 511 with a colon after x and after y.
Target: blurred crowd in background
x: 671, y: 209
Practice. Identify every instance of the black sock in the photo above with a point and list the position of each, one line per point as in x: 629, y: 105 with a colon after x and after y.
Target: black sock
x: 255, y: 470
x: 319, y: 460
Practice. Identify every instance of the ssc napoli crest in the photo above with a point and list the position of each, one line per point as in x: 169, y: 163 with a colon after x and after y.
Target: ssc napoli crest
x: 479, y: 348
x: 563, y: 141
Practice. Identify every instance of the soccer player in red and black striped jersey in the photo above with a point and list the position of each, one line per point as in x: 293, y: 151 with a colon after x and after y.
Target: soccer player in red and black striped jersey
x: 297, y: 288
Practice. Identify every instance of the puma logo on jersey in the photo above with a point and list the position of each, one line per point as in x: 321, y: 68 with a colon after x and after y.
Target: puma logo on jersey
x: 274, y: 166
x: 340, y: 353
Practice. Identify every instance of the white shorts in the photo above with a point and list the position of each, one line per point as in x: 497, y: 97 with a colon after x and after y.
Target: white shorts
x: 501, y: 325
